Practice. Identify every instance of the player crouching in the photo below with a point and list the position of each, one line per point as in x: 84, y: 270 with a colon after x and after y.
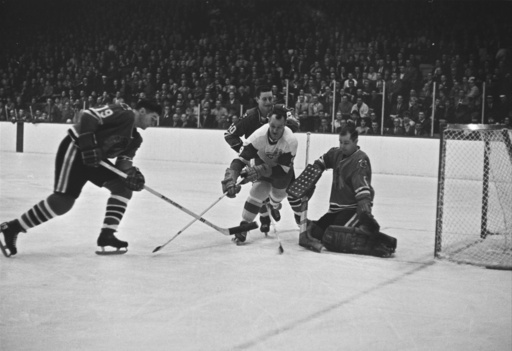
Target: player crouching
x: 349, y: 225
x: 273, y: 148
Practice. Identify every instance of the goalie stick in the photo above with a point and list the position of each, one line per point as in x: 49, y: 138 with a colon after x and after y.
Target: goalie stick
x: 225, y: 231
x: 304, y: 201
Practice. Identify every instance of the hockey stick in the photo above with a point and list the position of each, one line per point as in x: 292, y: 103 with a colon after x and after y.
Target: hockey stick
x: 225, y: 231
x: 304, y: 204
x: 243, y: 181
x: 280, y: 248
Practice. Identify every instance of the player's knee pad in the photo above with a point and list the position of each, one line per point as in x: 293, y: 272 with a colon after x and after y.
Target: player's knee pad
x: 260, y: 191
x: 118, y: 188
x: 60, y: 203
x: 277, y: 195
x: 357, y: 241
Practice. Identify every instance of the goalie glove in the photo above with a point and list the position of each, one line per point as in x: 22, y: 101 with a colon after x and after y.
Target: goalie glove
x: 91, y: 153
x: 229, y: 183
x: 256, y: 172
x: 135, y: 179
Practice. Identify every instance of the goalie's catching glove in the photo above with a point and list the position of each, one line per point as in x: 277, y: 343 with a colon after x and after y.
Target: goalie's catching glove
x: 91, y: 153
x: 135, y: 179
x: 256, y: 172
x: 229, y: 183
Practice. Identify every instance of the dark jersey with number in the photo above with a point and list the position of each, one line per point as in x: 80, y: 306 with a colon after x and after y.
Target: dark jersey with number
x: 114, y: 129
x: 351, y: 179
x: 250, y: 122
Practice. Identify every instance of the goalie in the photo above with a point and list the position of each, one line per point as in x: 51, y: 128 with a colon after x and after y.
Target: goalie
x: 348, y: 226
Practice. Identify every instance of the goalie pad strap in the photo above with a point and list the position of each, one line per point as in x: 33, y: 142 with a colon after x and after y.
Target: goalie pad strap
x: 305, y: 182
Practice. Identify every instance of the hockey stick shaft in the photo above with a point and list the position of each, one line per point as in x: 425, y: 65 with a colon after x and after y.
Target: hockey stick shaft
x: 225, y: 231
x: 243, y: 181
x: 272, y: 220
x: 304, y: 204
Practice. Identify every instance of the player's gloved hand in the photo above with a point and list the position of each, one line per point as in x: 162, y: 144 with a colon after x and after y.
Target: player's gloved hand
x: 369, y: 223
x: 364, y: 206
x: 91, y: 153
x: 256, y: 172
x: 135, y: 180
x: 229, y: 183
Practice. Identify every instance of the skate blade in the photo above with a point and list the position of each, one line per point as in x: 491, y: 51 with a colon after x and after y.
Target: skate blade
x: 4, y: 249
x: 103, y: 252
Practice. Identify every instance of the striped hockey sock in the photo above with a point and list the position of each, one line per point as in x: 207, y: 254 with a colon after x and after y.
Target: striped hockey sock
x: 297, y: 207
x: 116, y: 207
x: 37, y: 215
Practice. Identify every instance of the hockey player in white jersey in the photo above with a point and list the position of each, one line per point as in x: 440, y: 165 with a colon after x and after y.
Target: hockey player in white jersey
x: 273, y: 148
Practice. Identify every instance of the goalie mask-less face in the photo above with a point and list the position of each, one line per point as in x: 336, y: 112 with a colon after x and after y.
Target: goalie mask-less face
x: 347, y: 145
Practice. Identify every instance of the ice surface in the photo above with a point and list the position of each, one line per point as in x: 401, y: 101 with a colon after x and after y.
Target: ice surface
x: 202, y: 292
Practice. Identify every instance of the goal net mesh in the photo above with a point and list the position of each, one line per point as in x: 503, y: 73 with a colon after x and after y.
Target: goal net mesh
x: 474, y: 207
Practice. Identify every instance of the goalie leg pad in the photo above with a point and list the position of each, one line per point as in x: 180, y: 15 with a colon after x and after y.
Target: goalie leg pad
x: 357, y: 241
x: 310, y: 239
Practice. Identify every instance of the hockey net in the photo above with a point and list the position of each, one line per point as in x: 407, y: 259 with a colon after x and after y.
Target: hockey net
x: 474, y: 200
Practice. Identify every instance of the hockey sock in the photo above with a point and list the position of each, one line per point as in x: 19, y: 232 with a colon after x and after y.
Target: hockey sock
x: 116, y: 207
x: 264, y: 211
x: 297, y: 207
x: 251, y: 208
x: 37, y: 215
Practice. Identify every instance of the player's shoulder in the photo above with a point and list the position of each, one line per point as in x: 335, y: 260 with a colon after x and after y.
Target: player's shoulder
x: 289, y: 135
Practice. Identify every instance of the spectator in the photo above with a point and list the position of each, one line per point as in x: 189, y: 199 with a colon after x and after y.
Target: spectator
x: 361, y: 108
x: 398, y: 108
x: 397, y: 129
x: 324, y: 126
x: 345, y: 107
x: 363, y: 128
x: 315, y: 110
x: 375, y: 129
x: 425, y: 122
x: 491, y: 110
x: 68, y: 113
x: 408, y: 126
x: 166, y: 120
x: 176, y: 121
x: 219, y: 112
x: 301, y: 105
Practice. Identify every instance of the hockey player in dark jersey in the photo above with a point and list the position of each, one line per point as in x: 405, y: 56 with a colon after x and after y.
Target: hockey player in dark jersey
x: 101, y: 134
x: 273, y: 147
x: 348, y: 226
x: 253, y: 119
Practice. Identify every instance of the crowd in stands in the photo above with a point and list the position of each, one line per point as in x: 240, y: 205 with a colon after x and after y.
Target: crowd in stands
x: 390, y: 67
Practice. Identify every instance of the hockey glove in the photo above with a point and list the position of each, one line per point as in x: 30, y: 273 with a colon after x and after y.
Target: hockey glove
x: 229, y: 183
x: 256, y: 172
x: 135, y: 179
x: 91, y: 153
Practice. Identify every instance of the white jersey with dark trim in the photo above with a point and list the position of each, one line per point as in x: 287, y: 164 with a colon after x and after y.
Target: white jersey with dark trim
x: 274, y: 153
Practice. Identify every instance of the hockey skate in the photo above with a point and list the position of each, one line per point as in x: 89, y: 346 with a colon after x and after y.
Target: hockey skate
x: 274, y: 211
x: 107, y: 238
x: 10, y: 230
x: 239, y: 238
x: 265, y: 224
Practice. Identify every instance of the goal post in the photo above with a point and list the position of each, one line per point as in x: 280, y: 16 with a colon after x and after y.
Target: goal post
x: 474, y: 197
